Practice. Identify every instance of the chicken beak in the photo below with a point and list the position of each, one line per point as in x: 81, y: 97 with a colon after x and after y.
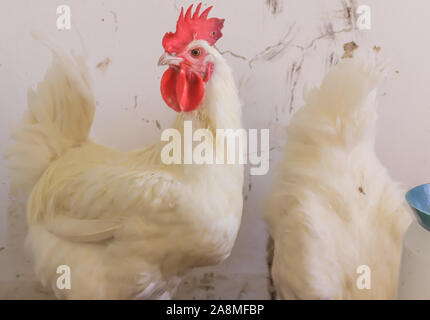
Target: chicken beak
x: 169, y: 59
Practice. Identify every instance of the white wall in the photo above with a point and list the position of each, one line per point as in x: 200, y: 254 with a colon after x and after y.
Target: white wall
x: 274, y: 48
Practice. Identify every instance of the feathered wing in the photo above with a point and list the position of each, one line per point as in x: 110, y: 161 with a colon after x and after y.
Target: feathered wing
x: 59, y: 116
x: 333, y: 206
x: 110, y: 224
x: 91, y: 204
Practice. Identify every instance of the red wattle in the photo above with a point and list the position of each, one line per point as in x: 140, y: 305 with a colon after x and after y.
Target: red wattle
x: 168, y: 88
x: 183, y: 89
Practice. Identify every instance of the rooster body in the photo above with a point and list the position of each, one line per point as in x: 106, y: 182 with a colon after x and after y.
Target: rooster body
x: 127, y: 225
x: 333, y: 207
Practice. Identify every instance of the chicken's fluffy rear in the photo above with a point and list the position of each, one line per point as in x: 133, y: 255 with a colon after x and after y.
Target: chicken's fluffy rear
x: 333, y: 206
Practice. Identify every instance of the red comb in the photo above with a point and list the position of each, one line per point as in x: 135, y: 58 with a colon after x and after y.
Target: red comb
x: 195, y: 27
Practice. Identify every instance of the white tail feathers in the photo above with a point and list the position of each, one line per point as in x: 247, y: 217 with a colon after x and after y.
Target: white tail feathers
x: 59, y: 116
x: 343, y: 109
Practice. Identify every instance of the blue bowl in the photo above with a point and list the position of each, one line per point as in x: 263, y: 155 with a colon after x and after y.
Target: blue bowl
x: 419, y: 200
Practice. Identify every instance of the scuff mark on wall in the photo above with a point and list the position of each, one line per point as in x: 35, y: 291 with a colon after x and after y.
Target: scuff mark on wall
x: 328, y: 33
x: 348, y: 12
x: 293, y: 76
x: 270, y: 249
x: 206, y: 282
x: 269, y: 53
x: 134, y: 108
x: 349, y: 49
x: 135, y: 102
x: 275, y: 118
x: 242, y: 291
x: 332, y: 59
x: 203, y: 285
x: 231, y: 53
x: 103, y: 65
x: 115, y: 19
x: 275, y: 6
x: 155, y: 122
x: 275, y: 50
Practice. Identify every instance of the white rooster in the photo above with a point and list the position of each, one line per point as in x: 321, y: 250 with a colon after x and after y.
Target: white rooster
x: 333, y: 210
x: 128, y: 225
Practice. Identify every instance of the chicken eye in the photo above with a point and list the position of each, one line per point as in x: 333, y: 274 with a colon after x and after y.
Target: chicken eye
x: 196, y: 52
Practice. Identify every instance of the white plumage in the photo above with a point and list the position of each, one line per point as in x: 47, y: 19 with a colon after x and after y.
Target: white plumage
x: 126, y: 224
x: 333, y: 206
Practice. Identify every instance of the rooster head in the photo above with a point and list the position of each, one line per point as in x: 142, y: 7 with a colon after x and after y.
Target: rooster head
x: 190, y: 63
